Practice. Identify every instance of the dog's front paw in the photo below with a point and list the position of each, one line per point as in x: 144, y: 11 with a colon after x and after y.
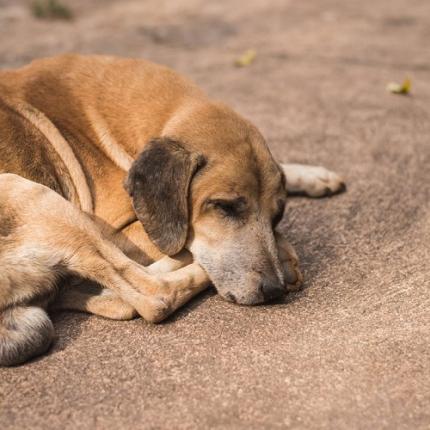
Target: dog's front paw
x: 319, y: 182
x: 290, y: 263
x: 154, y: 309
x: 314, y: 181
x: 293, y: 275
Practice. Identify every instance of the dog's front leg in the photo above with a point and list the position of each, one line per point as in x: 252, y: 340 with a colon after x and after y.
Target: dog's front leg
x: 169, y: 290
x: 153, y: 295
x: 79, y: 295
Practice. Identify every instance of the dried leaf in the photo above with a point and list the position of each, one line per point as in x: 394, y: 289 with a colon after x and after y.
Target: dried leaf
x: 404, y: 88
x: 246, y: 58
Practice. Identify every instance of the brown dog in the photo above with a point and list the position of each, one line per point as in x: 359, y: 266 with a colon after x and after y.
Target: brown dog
x: 200, y: 178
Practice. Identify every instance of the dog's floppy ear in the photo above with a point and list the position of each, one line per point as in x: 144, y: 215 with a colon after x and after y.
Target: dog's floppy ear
x: 158, y: 183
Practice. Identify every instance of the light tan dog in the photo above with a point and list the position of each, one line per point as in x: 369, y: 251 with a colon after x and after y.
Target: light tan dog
x: 106, y: 163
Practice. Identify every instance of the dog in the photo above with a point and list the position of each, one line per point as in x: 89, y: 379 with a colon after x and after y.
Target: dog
x: 108, y: 164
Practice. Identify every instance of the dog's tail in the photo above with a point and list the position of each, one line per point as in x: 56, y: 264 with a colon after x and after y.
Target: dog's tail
x: 25, y: 331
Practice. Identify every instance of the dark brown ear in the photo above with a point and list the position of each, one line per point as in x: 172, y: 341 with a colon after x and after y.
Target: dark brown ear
x: 158, y: 182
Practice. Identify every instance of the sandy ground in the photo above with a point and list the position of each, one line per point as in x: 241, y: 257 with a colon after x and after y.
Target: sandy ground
x: 349, y: 352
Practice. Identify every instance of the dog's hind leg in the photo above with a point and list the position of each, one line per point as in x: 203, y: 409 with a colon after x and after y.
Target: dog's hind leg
x: 314, y: 181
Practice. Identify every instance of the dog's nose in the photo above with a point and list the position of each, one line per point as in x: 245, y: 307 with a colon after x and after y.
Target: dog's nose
x: 271, y: 291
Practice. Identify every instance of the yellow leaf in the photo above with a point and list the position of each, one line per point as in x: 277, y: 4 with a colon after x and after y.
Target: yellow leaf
x: 246, y: 58
x: 404, y: 88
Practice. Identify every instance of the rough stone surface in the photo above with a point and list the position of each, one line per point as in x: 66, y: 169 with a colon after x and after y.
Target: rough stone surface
x: 349, y: 352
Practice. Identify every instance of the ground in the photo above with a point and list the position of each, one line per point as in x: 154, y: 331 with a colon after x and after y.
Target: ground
x: 349, y: 352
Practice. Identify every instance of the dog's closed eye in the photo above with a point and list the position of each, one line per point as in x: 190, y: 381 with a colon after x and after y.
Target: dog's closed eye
x: 234, y: 208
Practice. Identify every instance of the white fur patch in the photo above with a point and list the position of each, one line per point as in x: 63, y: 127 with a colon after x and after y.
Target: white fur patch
x: 315, y: 181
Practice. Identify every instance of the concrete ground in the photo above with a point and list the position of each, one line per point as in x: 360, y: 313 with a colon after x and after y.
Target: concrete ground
x: 349, y: 352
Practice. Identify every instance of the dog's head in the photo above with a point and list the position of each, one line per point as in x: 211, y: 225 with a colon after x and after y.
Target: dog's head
x: 220, y: 198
